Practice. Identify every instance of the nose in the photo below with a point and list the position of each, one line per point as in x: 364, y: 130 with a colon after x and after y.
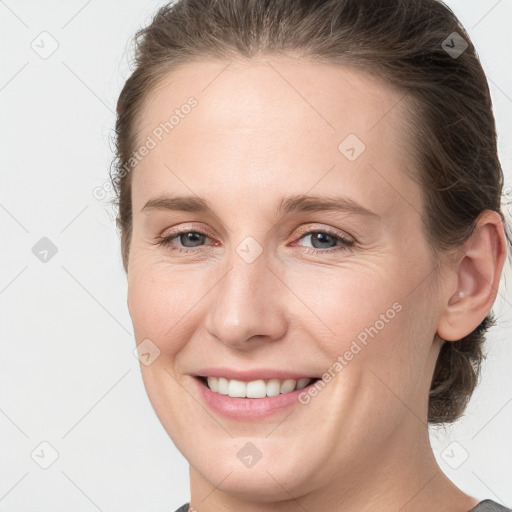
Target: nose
x: 248, y: 305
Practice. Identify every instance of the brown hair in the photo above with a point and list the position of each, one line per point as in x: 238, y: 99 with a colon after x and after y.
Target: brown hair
x: 411, y: 45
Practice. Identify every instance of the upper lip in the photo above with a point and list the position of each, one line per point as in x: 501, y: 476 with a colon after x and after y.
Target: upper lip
x: 250, y: 375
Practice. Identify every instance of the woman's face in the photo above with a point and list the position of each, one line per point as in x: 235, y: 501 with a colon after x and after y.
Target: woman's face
x: 271, y: 282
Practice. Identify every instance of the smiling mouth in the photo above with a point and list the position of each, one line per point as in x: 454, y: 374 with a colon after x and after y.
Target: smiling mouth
x: 260, y: 388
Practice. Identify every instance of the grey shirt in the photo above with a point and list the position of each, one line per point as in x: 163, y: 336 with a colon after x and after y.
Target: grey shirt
x: 488, y: 506
x: 483, y: 506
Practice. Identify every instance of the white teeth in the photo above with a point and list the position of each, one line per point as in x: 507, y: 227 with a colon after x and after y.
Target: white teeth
x: 288, y: 385
x: 256, y: 388
x: 302, y: 383
x: 236, y: 388
x: 222, y: 385
x: 213, y: 384
x: 273, y: 387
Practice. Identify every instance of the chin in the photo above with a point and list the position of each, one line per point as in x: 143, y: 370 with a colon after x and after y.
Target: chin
x: 272, y: 478
x: 257, y: 486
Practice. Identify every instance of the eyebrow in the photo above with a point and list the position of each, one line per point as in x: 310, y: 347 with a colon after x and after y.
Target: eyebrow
x: 288, y: 204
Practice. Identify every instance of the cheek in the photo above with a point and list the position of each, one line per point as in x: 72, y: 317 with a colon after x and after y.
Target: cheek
x: 164, y: 302
x: 347, y: 301
x: 374, y: 319
x: 379, y: 357
x: 146, y: 302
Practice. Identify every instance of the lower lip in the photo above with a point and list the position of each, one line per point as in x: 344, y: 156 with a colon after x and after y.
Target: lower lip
x: 248, y: 408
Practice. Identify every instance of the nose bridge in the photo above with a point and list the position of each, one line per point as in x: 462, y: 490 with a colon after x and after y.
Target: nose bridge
x: 246, y: 301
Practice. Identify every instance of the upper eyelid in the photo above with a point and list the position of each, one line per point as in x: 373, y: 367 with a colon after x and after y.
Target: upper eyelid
x: 301, y: 231
x: 330, y: 230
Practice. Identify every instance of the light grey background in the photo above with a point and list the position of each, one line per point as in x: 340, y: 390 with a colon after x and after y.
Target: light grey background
x: 68, y: 374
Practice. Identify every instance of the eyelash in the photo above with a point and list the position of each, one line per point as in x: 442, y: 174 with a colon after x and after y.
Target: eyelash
x: 345, y: 243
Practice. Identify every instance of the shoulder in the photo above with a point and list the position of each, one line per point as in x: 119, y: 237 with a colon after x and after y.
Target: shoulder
x: 184, y: 508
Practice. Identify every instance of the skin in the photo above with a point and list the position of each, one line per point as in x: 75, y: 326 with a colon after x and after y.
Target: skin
x: 262, y: 130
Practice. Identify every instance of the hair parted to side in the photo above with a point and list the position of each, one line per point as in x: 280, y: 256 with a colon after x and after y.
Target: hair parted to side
x: 453, y: 134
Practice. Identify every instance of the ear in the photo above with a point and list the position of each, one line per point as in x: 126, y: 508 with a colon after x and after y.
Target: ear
x: 478, y: 270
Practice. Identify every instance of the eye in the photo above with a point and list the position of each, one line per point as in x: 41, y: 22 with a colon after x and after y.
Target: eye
x: 322, y: 241
x: 187, y: 238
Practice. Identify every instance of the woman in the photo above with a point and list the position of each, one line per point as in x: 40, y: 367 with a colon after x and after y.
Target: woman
x: 291, y: 373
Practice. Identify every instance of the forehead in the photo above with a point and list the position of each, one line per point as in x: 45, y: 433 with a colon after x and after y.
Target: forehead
x: 279, y: 122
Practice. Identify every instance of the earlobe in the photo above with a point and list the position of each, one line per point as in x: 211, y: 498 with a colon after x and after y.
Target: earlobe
x: 478, y: 272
